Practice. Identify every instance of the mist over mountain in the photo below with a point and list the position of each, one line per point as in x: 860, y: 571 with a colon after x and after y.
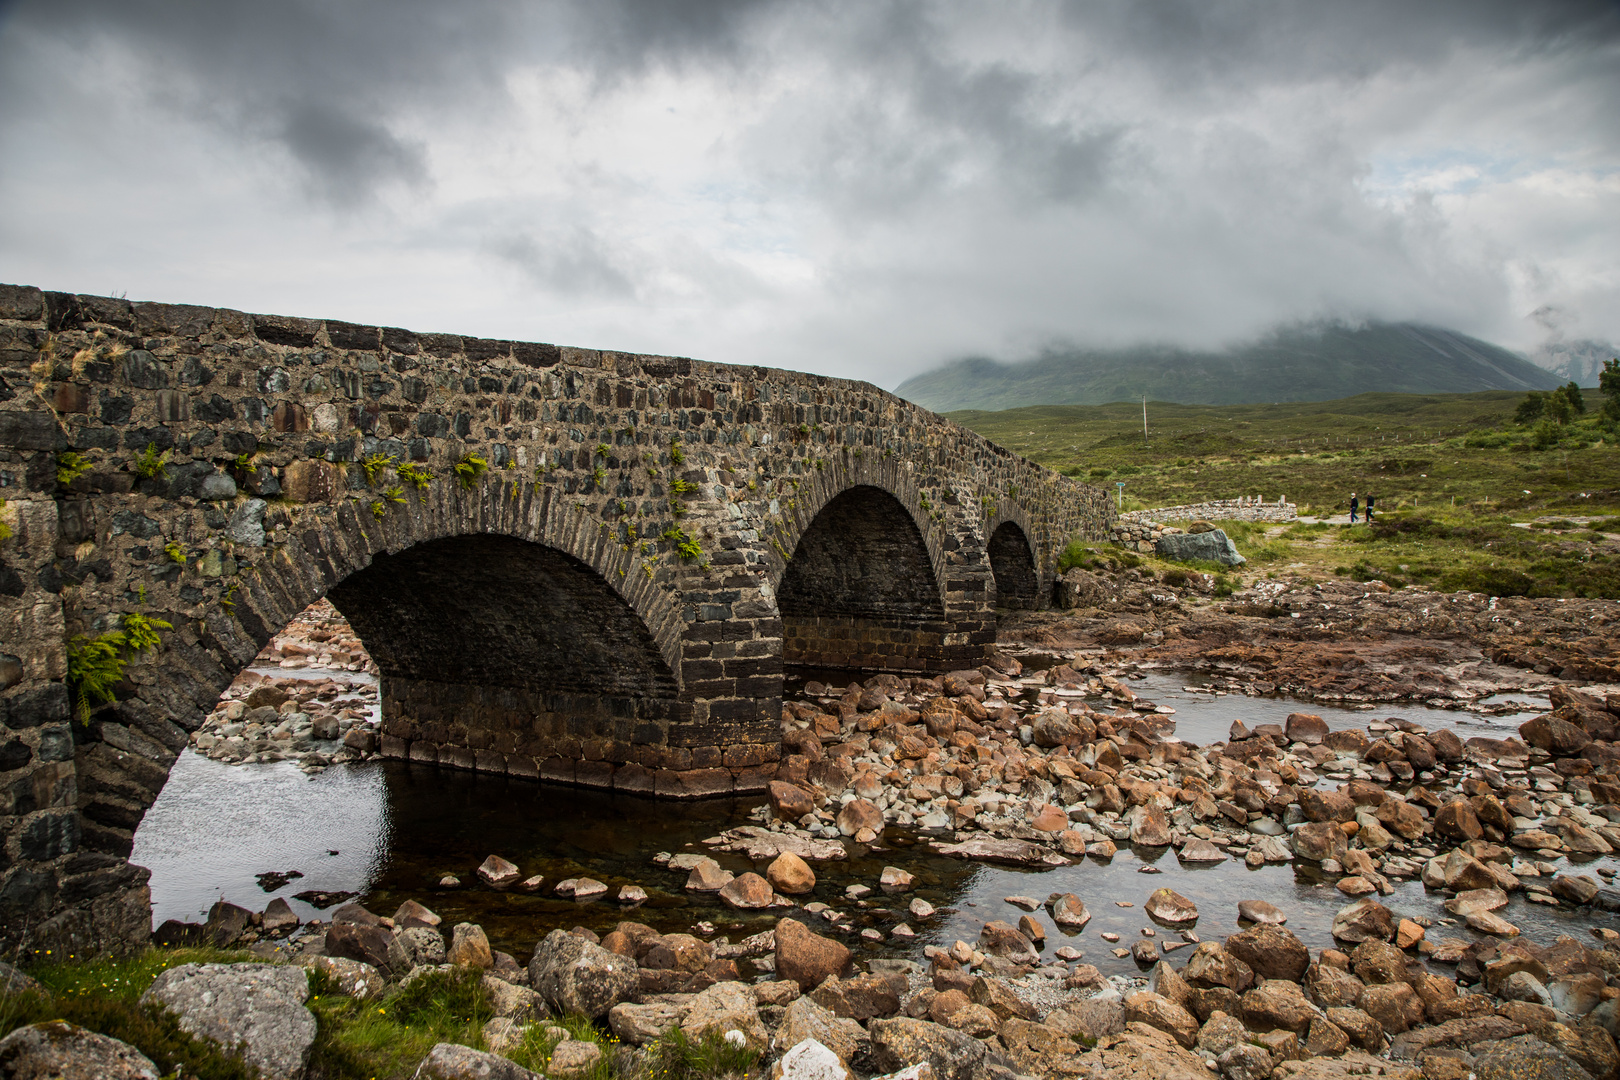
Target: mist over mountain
x: 1312, y: 362
x: 1580, y: 360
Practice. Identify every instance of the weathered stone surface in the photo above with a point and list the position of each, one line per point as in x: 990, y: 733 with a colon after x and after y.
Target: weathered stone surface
x: 723, y: 1008
x: 1277, y: 1003
x: 998, y: 938
x: 748, y: 892
x: 1261, y: 911
x: 510, y: 1001
x: 1525, y: 1057
x: 1245, y: 1061
x: 254, y: 1011
x: 1143, y: 1052
x: 572, y: 1058
x: 1271, y: 951
x: 58, y: 1050
x: 352, y: 977
x: 1395, y: 1006
x: 858, y: 997
x: 805, y: 956
x: 804, y: 1019
x: 469, y: 947
x: 1068, y: 910
x: 451, y: 1061
x: 574, y: 975
x: 1212, y: 965
x: 1319, y: 841
x: 637, y: 1024
x: 902, y: 1041
x: 1160, y: 1012
x: 1456, y: 820
x: 809, y: 1060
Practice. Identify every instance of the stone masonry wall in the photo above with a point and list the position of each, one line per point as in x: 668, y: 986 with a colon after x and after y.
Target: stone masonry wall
x: 1239, y: 509
x: 215, y: 475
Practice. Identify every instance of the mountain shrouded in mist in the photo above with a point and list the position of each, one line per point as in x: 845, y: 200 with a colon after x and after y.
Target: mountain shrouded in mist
x: 1317, y: 362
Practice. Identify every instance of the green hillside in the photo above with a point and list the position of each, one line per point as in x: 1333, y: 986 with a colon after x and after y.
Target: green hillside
x: 1310, y: 363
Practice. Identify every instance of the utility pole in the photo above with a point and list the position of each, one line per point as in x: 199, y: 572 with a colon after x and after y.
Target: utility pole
x: 1144, y: 420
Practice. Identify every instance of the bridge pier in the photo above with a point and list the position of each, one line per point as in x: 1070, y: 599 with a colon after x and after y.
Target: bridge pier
x: 583, y: 566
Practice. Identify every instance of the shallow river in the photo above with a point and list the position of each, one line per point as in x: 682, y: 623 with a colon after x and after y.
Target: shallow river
x: 390, y: 830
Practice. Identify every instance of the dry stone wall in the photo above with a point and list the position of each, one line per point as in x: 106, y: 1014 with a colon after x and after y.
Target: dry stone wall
x: 1239, y: 509
x: 605, y: 593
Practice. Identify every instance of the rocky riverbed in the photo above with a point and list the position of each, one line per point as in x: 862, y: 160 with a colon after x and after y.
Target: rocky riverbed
x: 1330, y: 641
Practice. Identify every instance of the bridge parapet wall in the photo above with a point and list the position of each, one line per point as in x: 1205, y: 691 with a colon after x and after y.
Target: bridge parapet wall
x: 215, y: 475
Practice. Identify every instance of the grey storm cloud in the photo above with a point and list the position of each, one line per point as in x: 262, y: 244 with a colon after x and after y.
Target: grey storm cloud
x: 859, y: 188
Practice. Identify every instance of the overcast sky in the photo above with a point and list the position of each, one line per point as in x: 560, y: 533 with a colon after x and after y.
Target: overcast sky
x: 863, y: 188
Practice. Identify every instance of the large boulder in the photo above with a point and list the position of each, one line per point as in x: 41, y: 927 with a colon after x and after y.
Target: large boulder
x: 902, y: 1041
x: 1319, y: 841
x: 574, y: 975
x: 1556, y: 736
x: 58, y: 1050
x: 1273, y: 952
x: 254, y: 1011
x: 1277, y: 1003
x: 1214, y: 546
x: 804, y: 1019
x: 805, y: 956
x: 723, y: 1008
x: 1160, y: 1012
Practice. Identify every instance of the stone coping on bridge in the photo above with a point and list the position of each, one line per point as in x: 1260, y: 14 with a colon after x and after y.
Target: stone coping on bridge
x: 606, y: 536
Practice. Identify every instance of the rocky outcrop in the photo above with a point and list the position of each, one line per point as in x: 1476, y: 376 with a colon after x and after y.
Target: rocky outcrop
x: 253, y: 1011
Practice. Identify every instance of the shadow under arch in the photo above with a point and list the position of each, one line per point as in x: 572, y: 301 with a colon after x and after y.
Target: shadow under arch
x: 860, y: 590
x: 1012, y: 563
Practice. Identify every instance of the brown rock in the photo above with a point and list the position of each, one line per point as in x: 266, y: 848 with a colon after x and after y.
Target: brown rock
x: 857, y: 815
x: 1271, y: 951
x: 1325, y: 1038
x: 999, y: 998
x: 1307, y: 728
x: 1212, y: 965
x: 1068, y: 910
x: 859, y: 997
x: 1259, y: 911
x: 1376, y: 962
x: 1320, y: 805
x: 790, y: 875
x: 497, y: 873
x: 1558, y: 737
x: 1396, y: 1006
x: 790, y: 801
x: 1364, y: 920
x: 1163, y: 1014
x: 1167, y: 905
x: 1049, y: 819
x: 1363, y: 1030
x: 806, y: 957
x: 747, y: 892
x: 1456, y: 820
x: 998, y: 938
x: 1277, y: 1003
x: 1319, y: 841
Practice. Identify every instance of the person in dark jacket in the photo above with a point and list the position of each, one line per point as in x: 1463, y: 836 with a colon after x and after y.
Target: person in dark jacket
x: 1369, y: 507
x: 1355, y: 504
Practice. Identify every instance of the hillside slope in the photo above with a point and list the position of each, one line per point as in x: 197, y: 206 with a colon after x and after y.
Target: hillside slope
x: 1308, y: 363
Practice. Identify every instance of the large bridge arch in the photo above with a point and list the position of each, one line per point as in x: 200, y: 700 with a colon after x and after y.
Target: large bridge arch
x: 1015, y: 566
x: 677, y: 490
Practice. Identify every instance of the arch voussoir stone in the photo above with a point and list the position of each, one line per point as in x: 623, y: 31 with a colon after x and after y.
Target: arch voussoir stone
x: 615, y: 581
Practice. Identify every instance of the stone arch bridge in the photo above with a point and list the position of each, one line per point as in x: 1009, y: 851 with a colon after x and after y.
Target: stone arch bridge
x: 580, y: 565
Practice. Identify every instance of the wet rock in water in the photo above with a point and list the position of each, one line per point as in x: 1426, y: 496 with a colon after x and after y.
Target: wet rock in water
x: 226, y: 922
x: 1259, y: 911
x: 278, y: 916
x: 320, y: 899
x: 790, y: 801
x: 1577, y: 889
x: 1319, y: 841
x: 1474, y: 901
x: 575, y: 975
x: 497, y: 873
x: 707, y: 876
x: 1068, y: 910
x: 1201, y: 851
x: 1307, y: 728
x: 581, y: 888
x: 790, y: 874
x: 895, y: 880
x: 631, y: 895
x: 1271, y: 951
x: 747, y: 891
x: 993, y: 849
x: 58, y: 1050
x: 1150, y: 826
x: 809, y: 1060
x: 1364, y: 920
x: 469, y: 947
x: 805, y: 956
x: 275, y: 879
x: 411, y: 913
x: 253, y: 1011
x: 1144, y: 952
x: 902, y: 1042
x: 920, y: 908
x: 452, y: 1061
x: 1167, y: 905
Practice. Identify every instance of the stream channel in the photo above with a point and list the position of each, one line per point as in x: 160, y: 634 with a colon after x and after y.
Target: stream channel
x: 387, y: 831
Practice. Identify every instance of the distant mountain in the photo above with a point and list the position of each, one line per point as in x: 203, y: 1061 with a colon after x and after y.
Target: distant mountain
x: 1316, y: 362
x: 1579, y: 360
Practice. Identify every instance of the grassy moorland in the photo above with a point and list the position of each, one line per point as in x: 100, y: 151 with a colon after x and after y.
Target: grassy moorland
x: 1456, y: 476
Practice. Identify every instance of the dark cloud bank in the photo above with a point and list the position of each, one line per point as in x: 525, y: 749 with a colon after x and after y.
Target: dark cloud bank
x: 862, y: 189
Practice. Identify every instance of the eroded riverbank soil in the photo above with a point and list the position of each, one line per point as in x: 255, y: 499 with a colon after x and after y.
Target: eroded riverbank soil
x: 1330, y: 641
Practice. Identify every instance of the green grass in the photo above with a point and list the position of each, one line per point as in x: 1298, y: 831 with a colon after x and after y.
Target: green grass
x: 1457, y: 462
x: 383, y: 1037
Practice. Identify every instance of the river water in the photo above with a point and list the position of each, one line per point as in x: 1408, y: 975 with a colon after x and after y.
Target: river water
x: 389, y: 830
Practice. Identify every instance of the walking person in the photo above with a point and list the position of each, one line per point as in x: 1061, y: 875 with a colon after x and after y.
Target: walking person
x: 1355, y: 504
x: 1369, y: 507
